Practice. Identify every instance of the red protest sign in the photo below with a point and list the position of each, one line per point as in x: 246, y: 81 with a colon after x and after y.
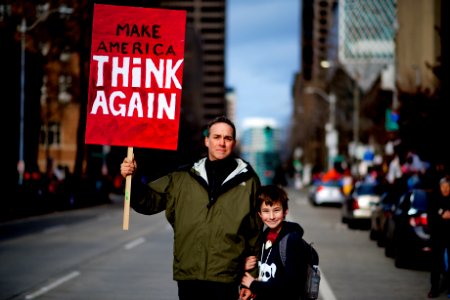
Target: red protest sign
x: 136, y: 68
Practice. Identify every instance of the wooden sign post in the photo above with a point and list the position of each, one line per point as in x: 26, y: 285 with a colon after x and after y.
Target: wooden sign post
x: 126, y: 203
x: 135, y: 83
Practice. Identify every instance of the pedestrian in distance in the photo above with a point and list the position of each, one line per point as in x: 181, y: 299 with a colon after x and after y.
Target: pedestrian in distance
x: 276, y: 280
x: 211, y: 206
x: 439, y: 220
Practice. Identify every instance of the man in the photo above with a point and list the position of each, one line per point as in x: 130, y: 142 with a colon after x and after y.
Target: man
x: 439, y: 221
x: 211, y: 206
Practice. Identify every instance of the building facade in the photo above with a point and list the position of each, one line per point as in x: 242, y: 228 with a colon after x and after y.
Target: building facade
x: 260, y: 145
x: 413, y: 88
x: 57, y: 60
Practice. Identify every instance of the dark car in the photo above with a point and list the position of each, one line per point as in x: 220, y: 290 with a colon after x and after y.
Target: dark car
x: 357, y: 207
x: 381, y: 212
x: 407, y: 231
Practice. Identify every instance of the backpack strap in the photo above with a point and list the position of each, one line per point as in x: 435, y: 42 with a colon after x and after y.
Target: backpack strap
x: 314, y: 258
x: 314, y: 254
x: 283, y: 245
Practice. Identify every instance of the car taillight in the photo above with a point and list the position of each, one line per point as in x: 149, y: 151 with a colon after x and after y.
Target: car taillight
x: 421, y: 220
x: 320, y: 187
x: 355, y: 204
x: 36, y: 175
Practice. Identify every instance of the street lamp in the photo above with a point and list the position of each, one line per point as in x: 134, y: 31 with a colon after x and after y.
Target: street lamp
x: 23, y: 29
x: 331, y: 139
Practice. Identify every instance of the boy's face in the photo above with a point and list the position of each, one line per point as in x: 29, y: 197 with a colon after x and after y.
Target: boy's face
x: 273, y: 215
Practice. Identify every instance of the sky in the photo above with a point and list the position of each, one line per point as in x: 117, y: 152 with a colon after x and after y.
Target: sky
x: 262, y: 57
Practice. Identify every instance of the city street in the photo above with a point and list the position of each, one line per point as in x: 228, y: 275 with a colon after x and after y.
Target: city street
x: 85, y: 254
x: 346, y: 102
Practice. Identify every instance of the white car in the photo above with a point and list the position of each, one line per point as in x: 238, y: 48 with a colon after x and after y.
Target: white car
x: 327, y: 193
x: 357, y: 208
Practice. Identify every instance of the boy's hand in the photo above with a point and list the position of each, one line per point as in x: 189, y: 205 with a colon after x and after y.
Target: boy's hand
x: 247, y: 279
x: 245, y: 294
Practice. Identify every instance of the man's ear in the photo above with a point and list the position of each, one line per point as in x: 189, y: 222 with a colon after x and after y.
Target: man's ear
x: 206, y: 141
x: 286, y: 212
x: 259, y: 214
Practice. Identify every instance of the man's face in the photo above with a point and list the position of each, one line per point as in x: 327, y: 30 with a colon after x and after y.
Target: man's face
x: 220, y: 141
x: 445, y: 189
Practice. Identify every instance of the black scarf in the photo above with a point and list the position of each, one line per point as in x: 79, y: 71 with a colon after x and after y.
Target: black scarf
x: 217, y: 171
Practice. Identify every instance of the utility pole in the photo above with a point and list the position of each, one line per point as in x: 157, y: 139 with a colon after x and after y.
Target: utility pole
x: 331, y: 139
x: 23, y: 29
x: 356, y: 101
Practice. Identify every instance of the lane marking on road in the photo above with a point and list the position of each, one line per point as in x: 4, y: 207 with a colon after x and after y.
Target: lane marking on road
x: 54, y: 229
x: 134, y: 243
x: 325, y: 290
x: 301, y: 201
x: 53, y: 285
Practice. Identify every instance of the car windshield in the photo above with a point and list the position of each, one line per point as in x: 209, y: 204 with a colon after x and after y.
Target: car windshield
x: 419, y: 200
x: 330, y: 183
x: 366, y: 189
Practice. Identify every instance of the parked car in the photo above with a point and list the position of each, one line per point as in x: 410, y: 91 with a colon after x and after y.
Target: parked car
x: 326, y: 193
x: 357, y: 207
x: 407, y: 231
x: 381, y: 212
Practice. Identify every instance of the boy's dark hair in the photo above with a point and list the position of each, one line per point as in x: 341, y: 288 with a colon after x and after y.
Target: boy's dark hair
x: 221, y: 119
x: 270, y: 194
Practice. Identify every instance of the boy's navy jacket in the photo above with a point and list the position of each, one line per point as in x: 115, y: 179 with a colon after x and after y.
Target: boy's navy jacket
x: 277, y: 281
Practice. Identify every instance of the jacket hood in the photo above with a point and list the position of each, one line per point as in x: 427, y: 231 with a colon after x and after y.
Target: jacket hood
x: 288, y: 227
x: 243, y: 167
x: 242, y: 172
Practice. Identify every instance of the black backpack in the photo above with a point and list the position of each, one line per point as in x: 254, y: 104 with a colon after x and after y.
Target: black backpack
x: 311, y: 287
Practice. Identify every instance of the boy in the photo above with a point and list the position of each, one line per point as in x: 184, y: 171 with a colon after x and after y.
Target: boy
x: 276, y: 281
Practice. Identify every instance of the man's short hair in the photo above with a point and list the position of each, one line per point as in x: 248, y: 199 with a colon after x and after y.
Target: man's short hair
x: 444, y: 179
x: 221, y: 119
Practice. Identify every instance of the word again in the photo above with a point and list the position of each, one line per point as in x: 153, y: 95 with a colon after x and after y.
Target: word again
x: 118, y: 105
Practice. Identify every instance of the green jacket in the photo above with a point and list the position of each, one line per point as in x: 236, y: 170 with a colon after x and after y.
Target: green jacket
x: 211, y: 241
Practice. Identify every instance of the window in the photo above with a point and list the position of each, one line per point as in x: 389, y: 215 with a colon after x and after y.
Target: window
x: 50, y: 135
